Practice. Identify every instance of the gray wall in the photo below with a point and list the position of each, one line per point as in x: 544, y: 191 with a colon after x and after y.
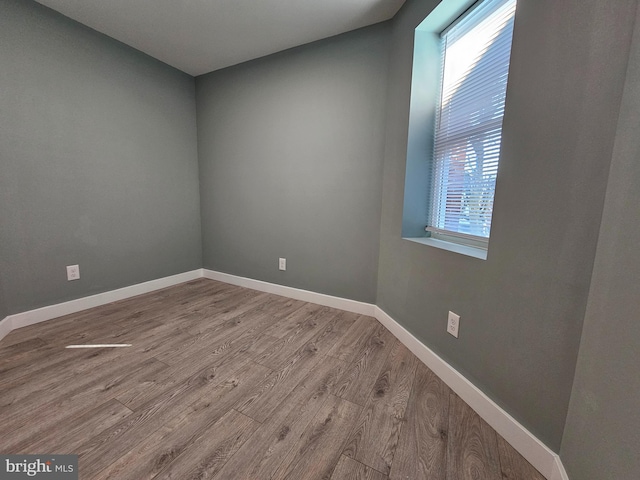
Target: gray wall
x: 602, y: 435
x: 290, y: 153
x: 98, y: 161
x: 521, y: 309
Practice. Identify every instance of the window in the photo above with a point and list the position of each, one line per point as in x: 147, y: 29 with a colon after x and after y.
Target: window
x: 476, y: 51
x: 461, y: 59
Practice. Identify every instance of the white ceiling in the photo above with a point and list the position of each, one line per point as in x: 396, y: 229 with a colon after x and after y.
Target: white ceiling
x: 199, y: 36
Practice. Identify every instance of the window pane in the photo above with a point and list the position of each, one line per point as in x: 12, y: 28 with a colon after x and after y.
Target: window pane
x: 476, y: 52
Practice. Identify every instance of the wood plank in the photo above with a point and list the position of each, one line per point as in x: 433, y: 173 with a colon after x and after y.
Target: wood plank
x: 316, y: 453
x: 139, y: 395
x: 356, y: 339
x: 19, y: 335
x: 223, y: 310
x: 55, y: 358
x: 26, y: 363
x: 167, y: 444
x: 25, y: 346
x: 349, y: 469
x: 256, y: 319
x: 335, y: 329
x: 73, y: 322
x: 422, y: 449
x: 20, y: 429
x: 197, y: 394
x: 64, y: 437
x: 472, y: 450
x: 60, y: 375
x: 289, y: 324
x: 122, y: 311
x: 358, y: 380
x: 276, y: 306
x: 375, y: 438
x: 513, y: 465
x: 257, y: 344
x: 237, y: 299
x: 156, y: 342
x: 219, y: 362
x: 107, y: 331
x: 211, y: 450
x: 233, y: 302
x: 107, y: 317
x: 268, y: 396
x: 308, y: 321
x: 104, y: 376
x: 21, y: 395
x: 261, y: 455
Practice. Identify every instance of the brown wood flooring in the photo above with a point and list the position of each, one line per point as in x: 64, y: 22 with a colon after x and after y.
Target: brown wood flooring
x: 225, y: 383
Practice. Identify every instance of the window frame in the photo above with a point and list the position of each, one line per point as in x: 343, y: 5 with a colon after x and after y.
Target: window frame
x: 421, y: 151
x: 486, y: 130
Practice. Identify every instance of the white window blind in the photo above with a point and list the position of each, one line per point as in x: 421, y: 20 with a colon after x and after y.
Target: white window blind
x: 476, y: 51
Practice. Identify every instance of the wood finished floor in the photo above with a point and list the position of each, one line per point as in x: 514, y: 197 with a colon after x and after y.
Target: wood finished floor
x: 225, y: 383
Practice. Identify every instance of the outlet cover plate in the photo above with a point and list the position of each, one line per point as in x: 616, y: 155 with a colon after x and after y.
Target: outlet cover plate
x: 282, y: 264
x: 453, y: 324
x: 73, y: 272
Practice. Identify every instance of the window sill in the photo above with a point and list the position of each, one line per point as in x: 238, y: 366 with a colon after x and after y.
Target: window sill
x: 475, y: 252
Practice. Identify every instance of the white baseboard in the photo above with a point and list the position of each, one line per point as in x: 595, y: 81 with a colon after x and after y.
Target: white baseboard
x: 537, y: 453
x: 532, y: 449
x: 559, y: 473
x: 38, y: 315
x: 305, y: 295
x: 5, y: 327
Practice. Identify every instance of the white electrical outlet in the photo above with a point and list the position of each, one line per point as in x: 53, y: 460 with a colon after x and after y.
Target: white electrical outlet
x: 453, y: 323
x: 73, y: 272
x: 282, y: 264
